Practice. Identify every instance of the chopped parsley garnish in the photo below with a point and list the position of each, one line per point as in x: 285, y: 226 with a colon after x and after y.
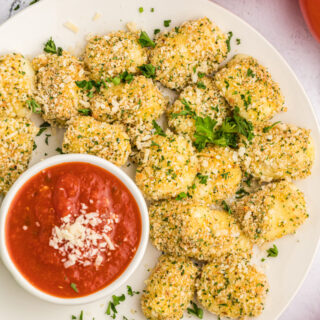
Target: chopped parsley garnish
x: 145, y: 41
x: 201, y: 85
x: 141, y: 9
x: 166, y: 23
x: 225, y: 175
x: 74, y: 287
x: 47, y: 139
x: 156, y: 31
x: 159, y: 131
x: 227, y: 84
x: 59, y: 150
x: 33, y: 106
x: 230, y: 34
x: 34, y: 146
x: 201, y: 74
x: 43, y: 127
x: 203, y: 179
x: 152, y: 9
x: 246, y: 100
x: 126, y: 77
x: 131, y: 292
x: 250, y: 73
x: 17, y: 7
x: 88, y: 86
x: 50, y: 47
x: 226, y: 207
x: 81, y: 315
x: 241, y: 193
x: 195, y: 310
x: 267, y: 129
x: 248, y: 179
x: 148, y: 70
x: 183, y: 195
x: 33, y: 2
x: 273, y: 251
x: 186, y: 112
x: 85, y: 111
x: 112, y: 305
x: 238, y: 41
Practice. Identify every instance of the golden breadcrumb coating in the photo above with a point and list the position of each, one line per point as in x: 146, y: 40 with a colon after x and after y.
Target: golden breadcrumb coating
x: 57, y: 93
x: 169, y: 288
x: 232, y: 288
x: 185, y: 228
x: 274, y: 211
x: 167, y: 167
x: 16, y: 85
x: 195, y: 46
x: 248, y: 85
x: 114, y: 53
x: 87, y: 135
x: 280, y: 151
x: 16, y: 144
x: 201, y: 100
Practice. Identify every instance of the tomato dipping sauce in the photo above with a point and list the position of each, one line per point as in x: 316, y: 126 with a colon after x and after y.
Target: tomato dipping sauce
x: 72, y: 229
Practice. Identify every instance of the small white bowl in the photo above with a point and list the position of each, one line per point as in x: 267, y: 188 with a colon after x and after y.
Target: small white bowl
x: 108, y: 290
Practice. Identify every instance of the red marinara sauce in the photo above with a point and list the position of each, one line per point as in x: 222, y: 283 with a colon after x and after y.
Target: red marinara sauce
x: 72, y: 229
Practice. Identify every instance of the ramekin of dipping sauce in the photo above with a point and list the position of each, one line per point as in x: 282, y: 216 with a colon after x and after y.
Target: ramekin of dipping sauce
x: 74, y: 228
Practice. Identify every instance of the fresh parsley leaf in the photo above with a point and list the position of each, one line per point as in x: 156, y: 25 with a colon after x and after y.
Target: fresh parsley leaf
x: 267, y: 129
x: 33, y: 2
x: 250, y: 73
x: 47, y: 139
x: 195, y: 310
x: 186, y: 112
x: 34, y: 146
x: 238, y: 41
x: 85, y: 111
x: 43, y: 127
x: 50, y: 47
x: 230, y: 35
x: 226, y: 207
x: 89, y: 85
x: 166, y: 23
x: 204, y: 132
x: 141, y: 9
x: 126, y: 77
x: 158, y: 129
x: 59, y: 150
x: 148, y: 70
x: 17, y: 7
x: 273, y: 251
x: 33, y: 106
x: 183, y: 195
x: 145, y: 41
x: 241, y: 193
x: 152, y: 9
x: 73, y: 317
x: 131, y: 292
x: 81, y: 315
x: 74, y: 287
x: 201, y: 74
x: 202, y: 178
x: 244, y: 126
x: 156, y: 31
x: 201, y: 85
x: 112, y: 305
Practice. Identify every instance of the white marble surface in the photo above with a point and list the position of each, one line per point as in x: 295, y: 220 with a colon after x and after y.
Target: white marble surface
x: 281, y: 22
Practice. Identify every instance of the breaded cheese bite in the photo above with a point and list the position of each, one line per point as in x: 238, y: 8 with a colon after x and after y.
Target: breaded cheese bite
x: 168, y: 167
x: 232, y: 288
x: 278, y: 151
x: 248, y: 85
x: 87, y: 135
x: 16, y: 145
x: 111, y: 54
x: 195, y: 46
x: 274, y: 211
x: 169, y: 288
x: 219, y: 175
x: 131, y: 103
x: 186, y: 228
x: 202, y: 100
x: 16, y: 85
x: 57, y: 93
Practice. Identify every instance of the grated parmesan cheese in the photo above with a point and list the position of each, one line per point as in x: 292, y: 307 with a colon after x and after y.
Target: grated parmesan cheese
x: 72, y: 27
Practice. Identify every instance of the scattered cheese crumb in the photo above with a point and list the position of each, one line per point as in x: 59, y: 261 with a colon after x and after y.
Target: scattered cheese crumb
x: 72, y: 27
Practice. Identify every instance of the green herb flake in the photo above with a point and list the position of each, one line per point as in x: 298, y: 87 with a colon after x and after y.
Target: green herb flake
x: 33, y: 2
x: 156, y: 31
x: 273, y: 251
x: 145, y: 41
x: 152, y: 9
x: 166, y: 23
x: 74, y: 287
x: 33, y: 106
x: 59, y: 150
x: 238, y: 41
x: 267, y: 129
x: 203, y: 179
x: 141, y: 9
x: 159, y: 131
x: 230, y: 35
x: 17, y: 7
x: 226, y: 207
x: 131, y: 292
x: 50, y: 47
x: 201, y: 85
x: 195, y: 310
x: 148, y: 70
x: 85, y: 111
x: 250, y: 73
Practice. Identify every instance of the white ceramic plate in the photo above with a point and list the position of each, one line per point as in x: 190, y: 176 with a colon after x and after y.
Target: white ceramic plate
x: 27, y: 32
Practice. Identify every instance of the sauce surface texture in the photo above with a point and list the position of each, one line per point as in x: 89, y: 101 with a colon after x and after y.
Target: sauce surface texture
x: 72, y: 229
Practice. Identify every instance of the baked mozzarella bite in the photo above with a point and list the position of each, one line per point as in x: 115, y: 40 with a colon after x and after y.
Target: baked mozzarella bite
x: 169, y: 288
x: 277, y: 209
x: 219, y: 175
x: 87, y: 135
x: 111, y: 54
x: 202, y: 100
x: 16, y: 145
x: 167, y: 168
x: 57, y: 92
x: 131, y: 103
x: 186, y: 228
x: 196, y: 46
x: 247, y: 85
x: 232, y: 288
x: 278, y: 151
x: 16, y: 85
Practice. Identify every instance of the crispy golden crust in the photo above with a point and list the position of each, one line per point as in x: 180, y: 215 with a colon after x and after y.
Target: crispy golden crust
x: 185, y: 228
x: 219, y: 175
x: 204, y: 100
x: 114, y: 53
x: 195, y: 46
x: 16, y: 144
x: 232, y: 288
x: 248, y: 85
x: 16, y: 85
x: 169, y: 289
x: 108, y: 141
x: 167, y: 167
x: 276, y: 210
x: 57, y: 93
x: 283, y: 152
